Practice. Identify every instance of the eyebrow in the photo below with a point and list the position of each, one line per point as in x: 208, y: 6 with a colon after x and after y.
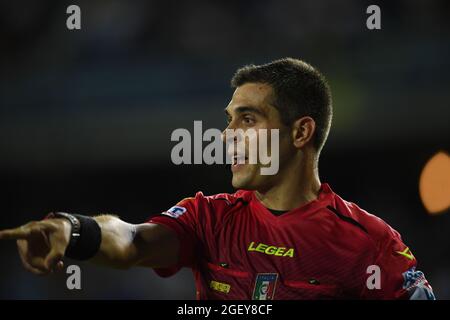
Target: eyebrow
x: 244, y: 109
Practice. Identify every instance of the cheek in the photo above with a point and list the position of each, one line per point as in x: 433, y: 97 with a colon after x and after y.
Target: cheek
x: 286, y: 149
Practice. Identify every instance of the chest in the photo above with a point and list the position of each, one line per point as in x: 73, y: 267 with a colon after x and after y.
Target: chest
x: 301, y: 258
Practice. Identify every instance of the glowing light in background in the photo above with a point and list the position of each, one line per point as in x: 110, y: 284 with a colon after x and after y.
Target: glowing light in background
x: 434, y: 183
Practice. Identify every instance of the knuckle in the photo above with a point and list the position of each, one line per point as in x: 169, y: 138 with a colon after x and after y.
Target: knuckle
x: 49, y: 225
x: 55, y: 224
x: 31, y: 224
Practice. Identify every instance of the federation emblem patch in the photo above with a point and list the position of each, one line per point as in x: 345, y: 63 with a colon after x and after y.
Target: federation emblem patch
x: 417, y: 286
x: 175, y: 211
x: 265, y: 285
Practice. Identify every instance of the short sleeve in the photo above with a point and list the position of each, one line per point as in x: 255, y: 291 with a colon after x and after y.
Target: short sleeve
x: 399, y: 278
x: 182, y: 219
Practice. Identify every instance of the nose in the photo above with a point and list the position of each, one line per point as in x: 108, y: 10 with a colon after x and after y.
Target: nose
x: 227, y: 134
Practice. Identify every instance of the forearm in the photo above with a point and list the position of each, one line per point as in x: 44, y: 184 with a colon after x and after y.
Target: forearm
x: 104, y: 240
x: 125, y: 245
x: 117, y: 248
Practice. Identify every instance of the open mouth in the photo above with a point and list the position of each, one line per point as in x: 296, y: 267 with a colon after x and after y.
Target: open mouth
x: 239, y: 160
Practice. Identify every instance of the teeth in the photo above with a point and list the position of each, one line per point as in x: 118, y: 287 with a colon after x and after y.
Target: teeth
x: 239, y: 159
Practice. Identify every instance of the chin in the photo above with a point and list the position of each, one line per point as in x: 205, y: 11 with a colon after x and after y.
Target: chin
x: 245, y: 179
x: 239, y: 183
x: 242, y: 183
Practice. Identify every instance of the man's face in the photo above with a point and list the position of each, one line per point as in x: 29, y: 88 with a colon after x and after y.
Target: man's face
x: 251, y: 107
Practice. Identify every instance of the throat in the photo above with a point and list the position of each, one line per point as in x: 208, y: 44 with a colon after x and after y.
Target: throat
x: 277, y: 212
x: 283, y: 198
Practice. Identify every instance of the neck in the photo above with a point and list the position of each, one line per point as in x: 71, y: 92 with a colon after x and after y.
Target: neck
x: 290, y: 193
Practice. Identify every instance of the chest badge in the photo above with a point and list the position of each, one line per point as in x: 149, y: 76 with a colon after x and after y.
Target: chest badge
x: 265, y: 285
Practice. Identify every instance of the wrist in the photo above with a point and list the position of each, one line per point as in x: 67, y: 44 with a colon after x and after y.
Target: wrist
x: 66, y: 227
x: 83, y: 235
x: 71, y: 226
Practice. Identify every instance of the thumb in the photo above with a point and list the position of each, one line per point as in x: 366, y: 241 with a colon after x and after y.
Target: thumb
x: 58, y: 245
x: 53, y: 258
x: 60, y: 266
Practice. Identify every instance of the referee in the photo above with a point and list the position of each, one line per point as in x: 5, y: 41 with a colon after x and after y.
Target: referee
x: 282, y: 236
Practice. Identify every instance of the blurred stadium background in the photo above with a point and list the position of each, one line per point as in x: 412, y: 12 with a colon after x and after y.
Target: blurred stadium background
x: 86, y: 116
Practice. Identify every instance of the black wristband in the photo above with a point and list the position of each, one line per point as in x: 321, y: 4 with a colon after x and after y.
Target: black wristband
x: 85, y: 243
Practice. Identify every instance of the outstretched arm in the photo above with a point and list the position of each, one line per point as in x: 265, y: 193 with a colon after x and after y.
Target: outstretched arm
x: 42, y: 244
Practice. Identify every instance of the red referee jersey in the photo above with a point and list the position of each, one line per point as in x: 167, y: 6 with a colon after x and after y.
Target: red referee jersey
x: 326, y: 249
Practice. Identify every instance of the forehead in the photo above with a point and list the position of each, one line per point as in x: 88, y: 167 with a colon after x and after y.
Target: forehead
x: 258, y: 95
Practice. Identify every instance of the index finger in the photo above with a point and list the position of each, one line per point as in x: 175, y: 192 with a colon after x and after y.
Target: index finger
x: 16, y: 233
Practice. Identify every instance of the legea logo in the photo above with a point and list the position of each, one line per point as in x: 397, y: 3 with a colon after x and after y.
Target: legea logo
x: 242, y: 147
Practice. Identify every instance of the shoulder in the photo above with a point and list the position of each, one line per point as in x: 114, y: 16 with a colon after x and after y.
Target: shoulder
x: 224, y: 201
x: 216, y: 204
x: 377, y: 230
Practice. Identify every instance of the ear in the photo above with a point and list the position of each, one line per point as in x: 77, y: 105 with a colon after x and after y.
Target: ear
x: 302, y: 131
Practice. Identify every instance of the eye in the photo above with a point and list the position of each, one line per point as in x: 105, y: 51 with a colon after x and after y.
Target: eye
x: 248, y: 120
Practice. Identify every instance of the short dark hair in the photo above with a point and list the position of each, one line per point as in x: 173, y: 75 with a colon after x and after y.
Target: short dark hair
x: 299, y: 90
